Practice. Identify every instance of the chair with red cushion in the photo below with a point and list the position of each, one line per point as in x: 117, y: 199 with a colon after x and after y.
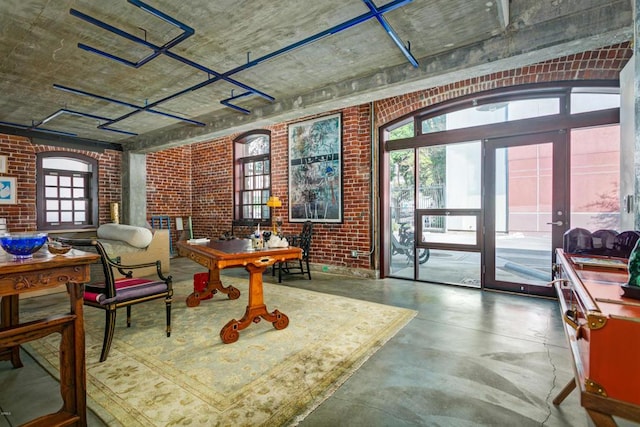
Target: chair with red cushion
x: 110, y: 294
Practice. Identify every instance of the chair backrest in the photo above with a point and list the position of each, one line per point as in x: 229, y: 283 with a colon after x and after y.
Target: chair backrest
x: 304, y: 239
x: 604, y: 241
x: 108, y: 265
x: 624, y: 243
x: 577, y: 241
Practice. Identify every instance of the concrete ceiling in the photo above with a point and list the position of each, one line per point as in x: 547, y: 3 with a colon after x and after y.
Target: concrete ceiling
x: 451, y: 40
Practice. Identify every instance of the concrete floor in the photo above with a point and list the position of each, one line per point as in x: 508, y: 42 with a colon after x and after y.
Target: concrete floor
x: 469, y: 358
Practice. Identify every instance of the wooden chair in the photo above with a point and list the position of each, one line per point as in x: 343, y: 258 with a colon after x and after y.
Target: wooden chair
x: 301, y: 266
x: 110, y: 294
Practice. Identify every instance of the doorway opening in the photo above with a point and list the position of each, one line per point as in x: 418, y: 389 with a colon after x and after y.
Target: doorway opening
x: 488, y: 211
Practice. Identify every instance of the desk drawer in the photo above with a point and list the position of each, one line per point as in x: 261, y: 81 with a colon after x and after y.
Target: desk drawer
x: 43, y: 279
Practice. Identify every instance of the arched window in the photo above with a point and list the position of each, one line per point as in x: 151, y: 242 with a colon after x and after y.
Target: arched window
x: 252, y: 177
x: 67, y: 191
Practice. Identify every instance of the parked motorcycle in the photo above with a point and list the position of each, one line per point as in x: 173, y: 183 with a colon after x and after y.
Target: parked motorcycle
x: 405, y: 244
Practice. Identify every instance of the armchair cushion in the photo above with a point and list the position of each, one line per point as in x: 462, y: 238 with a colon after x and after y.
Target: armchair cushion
x: 126, y: 289
x: 138, y: 237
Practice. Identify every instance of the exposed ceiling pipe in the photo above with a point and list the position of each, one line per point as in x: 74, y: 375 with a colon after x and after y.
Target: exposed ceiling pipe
x: 333, y: 30
x: 80, y: 114
x: 126, y: 104
x: 394, y: 36
x: 228, y: 103
x: 58, y: 139
x: 503, y: 12
x: 158, y: 50
x: 187, y: 31
x: 373, y: 13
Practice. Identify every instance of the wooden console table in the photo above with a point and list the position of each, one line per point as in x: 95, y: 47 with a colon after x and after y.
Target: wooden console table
x: 217, y: 255
x: 602, y: 328
x: 44, y: 271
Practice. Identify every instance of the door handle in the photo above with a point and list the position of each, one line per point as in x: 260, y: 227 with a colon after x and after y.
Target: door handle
x: 558, y: 223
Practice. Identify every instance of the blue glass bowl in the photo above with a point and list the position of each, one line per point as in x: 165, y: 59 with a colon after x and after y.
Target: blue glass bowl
x: 22, y: 245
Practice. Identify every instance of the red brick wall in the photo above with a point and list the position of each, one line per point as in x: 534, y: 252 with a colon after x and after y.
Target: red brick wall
x: 169, y: 187
x: 212, y: 186
x: 601, y: 64
x: 22, y: 165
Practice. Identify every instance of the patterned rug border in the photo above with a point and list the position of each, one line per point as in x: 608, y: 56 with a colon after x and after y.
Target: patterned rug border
x: 291, y: 412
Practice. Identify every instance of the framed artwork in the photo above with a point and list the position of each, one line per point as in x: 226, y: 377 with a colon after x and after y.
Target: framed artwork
x: 7, y: 190
x: 3, y: 164
x: 315, y: 170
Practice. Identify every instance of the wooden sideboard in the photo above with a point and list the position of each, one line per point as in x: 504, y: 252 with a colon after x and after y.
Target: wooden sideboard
x: 603, y: 331
x: 47, y: 271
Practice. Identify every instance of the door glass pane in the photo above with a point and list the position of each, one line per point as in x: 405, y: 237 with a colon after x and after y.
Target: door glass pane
x: 449, y: 178
x: 523, y: 181
x: 402, y: 206
x: 446, y: 229
x: 452, y: 267
x: 595, y: 178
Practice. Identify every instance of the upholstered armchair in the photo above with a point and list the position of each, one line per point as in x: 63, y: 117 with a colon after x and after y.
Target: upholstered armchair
x: 109, y: 293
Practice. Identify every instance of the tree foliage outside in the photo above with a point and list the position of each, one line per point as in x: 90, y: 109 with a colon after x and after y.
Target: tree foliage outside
x: 431, y: 170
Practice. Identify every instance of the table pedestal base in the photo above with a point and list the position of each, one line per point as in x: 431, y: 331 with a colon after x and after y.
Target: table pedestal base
x: 231, y: 331
x: 213, y: 287
x: 256, y: 309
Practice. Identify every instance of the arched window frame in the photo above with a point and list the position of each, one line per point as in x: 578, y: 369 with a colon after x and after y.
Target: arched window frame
x: 251, y: 170
x: 89, y: 197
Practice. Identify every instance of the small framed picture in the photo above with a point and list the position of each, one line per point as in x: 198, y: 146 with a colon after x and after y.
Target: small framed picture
x: 3, y: 164
x: 8, y: 190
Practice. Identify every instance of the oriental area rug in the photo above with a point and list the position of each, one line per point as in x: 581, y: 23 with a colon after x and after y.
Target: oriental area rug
x: 268, y: 377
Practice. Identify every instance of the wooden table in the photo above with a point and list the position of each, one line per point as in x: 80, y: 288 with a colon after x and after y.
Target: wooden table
x: 217, y: 255
x: 45, y: 271
x: 602, y: 328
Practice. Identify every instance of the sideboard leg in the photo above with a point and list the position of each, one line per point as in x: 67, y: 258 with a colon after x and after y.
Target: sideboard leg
x: 566, y: 391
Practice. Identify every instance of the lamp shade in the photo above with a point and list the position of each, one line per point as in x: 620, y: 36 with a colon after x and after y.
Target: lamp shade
x: 274, y: 202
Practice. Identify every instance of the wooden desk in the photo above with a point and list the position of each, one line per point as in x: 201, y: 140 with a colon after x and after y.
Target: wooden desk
x: 41, y: 272
x: 233, y: 253
x: 602, y: 328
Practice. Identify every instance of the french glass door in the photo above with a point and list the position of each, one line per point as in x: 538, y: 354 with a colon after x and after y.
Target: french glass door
x: 526, y: 210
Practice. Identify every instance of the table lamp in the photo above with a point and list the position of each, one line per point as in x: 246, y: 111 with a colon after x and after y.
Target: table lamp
x: 274, y: 202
